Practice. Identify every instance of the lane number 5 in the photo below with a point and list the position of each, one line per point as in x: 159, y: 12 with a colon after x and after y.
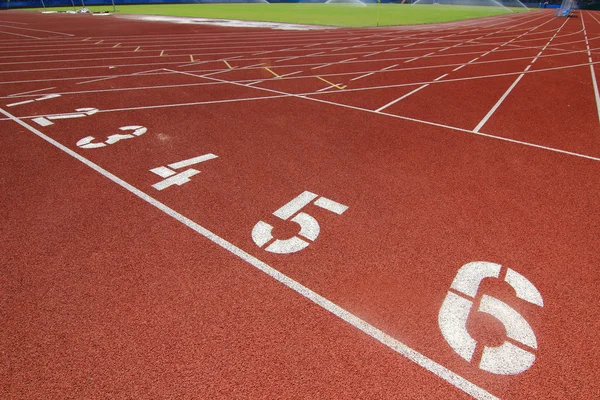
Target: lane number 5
x: 309, y: 227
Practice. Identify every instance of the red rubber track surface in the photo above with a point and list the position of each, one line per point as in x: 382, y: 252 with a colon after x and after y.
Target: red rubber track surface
x: 449, y: 144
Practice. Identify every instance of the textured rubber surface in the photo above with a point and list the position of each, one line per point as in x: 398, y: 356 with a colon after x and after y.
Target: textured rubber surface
x: 448, y: 144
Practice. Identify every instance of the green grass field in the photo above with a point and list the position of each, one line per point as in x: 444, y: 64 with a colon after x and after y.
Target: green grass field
x: 317, y: 14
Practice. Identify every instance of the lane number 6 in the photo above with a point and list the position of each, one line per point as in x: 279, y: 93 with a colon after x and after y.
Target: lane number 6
x: 516, y: 354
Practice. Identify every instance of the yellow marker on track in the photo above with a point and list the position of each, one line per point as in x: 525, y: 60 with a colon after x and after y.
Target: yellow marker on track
x: 161, y: 53
x: 333, y: 84
x: 226, y: 63
x: 191, y: 58
x: 268, y: 69
x: 139, y: 47
x: 99, y: 41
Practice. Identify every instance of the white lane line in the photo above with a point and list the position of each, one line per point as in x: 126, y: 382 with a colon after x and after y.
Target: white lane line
x: 287, y: 59
x: 20, y: 34
x: 592, y: 72
x: 374, y: 72
x: 442, y: 76
x: 453, y: 128
x: 399, y: 347
x: 216, y: 82
x: 198, y: 62
x: 280, y: 77
x: 30, y: 91
x: 36, y: 30
x: 416, y: 58
x: 229, y: 58
x: 119, y: 76
x: 503, y: 97
x: 391, y: 103
x: 290, y: 74
x: 465, y: 64
x: 97, y: 80
x: 13, y: 22
x: 46, y: 97
x: 333, y: 63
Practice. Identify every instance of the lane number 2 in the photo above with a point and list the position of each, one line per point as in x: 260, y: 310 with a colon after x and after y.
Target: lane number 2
x: 508, y: 358
x: 309, y: 227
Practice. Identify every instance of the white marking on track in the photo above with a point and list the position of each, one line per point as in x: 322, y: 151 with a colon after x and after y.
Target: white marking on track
x: 20, y: 34
x: 505, y: 95
x: 391, y: 103
x: 331, y: 205
x: 592, y: 72
x: 333, y: 63
x: 31, y: 91
x: 454, y: 128
x: 401, y: 348
x: 46, y: 97
x: 419, y: 57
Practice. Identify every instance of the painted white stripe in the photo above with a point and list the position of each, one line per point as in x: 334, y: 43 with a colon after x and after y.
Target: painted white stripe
x: 290, y: 74
x: 331, y: 205
x: 103, y: 66
x: 295, y: 205
x: 454, y: 128
x: 36, y: 30
x: 97, y: 80
x: 287, y: 59
x: 192, y: 161
x: 179, y: 179
x: 592, y: 72
x: 401, y: 348
x: 324, y: 89
x: 333, y: 63
x: 158, y: 106
x: 503, y: 97
x: 495, y: 107
x: 416, y: 58
x: 30, y: 91
x: 163, y: 172
x: 374, y: 72
x: 20, y: 103
x: 20, y: 34
x: 43, y: 121
x: 391, y: 103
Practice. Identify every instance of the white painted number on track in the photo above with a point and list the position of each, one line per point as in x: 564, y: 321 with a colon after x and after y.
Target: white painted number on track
x: 309, y: 227
x: 87, y: 142
x: 46, y: 97
x: 173, y: 178
x: 80, y: 113
x: 508, y: 358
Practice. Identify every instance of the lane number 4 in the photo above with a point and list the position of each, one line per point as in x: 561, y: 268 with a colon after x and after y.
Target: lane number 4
x: 309, y: 227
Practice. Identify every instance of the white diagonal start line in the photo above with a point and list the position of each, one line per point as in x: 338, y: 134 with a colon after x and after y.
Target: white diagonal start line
x: 514, y: 84
x: 592, y: 72
x: 399, y: 347
x: 391, y: 103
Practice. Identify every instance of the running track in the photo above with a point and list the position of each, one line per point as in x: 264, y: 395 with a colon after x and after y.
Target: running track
x: 131, y: 268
